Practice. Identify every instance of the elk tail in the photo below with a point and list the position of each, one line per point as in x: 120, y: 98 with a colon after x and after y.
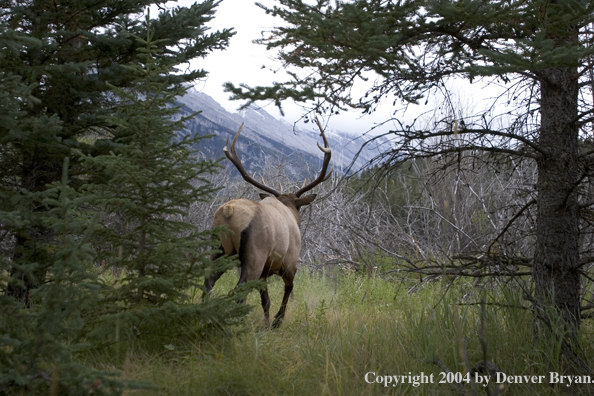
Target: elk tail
x: 227, y: 212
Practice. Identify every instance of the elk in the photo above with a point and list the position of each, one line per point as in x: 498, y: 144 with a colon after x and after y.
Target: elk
x: 266, y: 235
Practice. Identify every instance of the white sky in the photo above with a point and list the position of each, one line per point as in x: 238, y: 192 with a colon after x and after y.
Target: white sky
x: 243, y: 62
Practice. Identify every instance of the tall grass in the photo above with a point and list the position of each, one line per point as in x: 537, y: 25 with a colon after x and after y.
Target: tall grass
x: 338, y: 330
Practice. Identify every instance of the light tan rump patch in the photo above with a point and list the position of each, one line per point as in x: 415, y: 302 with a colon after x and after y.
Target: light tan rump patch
x: 227, y: 210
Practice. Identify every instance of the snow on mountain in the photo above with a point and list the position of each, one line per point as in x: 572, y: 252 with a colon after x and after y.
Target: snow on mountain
x: 274, y: 135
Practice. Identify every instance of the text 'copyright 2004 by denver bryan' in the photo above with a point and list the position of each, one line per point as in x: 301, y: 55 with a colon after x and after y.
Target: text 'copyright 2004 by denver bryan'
x: 457, y: 378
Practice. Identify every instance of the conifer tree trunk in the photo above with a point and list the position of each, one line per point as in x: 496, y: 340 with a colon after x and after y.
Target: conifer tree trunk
x: 548, y: 42
x: 555, y: 270
x: 30, y: 244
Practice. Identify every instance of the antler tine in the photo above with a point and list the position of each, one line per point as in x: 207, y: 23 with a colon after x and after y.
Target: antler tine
x: 324, y: 149
x: 231, y: 153
x: 329, y: 173
x: 323, y: 136
x: 327, y: 155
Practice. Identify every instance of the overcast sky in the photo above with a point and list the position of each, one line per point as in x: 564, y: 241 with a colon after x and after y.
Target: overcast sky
x: 243, y: 62
x: 246, y: 62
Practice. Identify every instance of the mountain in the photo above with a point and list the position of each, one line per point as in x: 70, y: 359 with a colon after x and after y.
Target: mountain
x: 265, y: 139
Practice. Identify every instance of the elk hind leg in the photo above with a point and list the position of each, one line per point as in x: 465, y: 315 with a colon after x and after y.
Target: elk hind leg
x: 248, y: 274
x: 265, y: 305
x: 252, y: 262
x: 210, y: 280
x: 278, y: 318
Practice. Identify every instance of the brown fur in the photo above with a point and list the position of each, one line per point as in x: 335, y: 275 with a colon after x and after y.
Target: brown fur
x: 267, y: 237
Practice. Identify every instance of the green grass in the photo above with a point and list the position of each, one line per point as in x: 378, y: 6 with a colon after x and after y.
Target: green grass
x: 336, y: 331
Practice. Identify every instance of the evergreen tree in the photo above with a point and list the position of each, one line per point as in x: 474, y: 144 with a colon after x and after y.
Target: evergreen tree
x: 71, y: 58
x: 61, y: 63
x: 39, y: 343
x: 154, y: 176
x: 408, y: 49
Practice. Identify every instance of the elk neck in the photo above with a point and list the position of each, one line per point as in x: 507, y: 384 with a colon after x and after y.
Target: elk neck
x: 289, y: 200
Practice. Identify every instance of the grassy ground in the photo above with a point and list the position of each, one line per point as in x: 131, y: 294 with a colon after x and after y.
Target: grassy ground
x: 336, y: 332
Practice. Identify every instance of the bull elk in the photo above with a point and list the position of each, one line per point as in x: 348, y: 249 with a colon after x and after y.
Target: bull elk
x: 266, y: 234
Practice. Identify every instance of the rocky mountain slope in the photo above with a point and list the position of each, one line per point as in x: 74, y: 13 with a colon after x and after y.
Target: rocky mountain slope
x: 265, y: 139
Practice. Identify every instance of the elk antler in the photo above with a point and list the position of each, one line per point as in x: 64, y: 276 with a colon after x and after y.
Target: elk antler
x: 233, y: 157
x: 327, y: 154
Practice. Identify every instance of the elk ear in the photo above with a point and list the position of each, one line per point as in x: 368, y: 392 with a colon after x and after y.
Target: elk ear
x: 299, y: 202
x: 262, y: 195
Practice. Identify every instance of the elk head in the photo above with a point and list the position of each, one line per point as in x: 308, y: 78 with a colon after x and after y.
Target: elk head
x: 231, y: 154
